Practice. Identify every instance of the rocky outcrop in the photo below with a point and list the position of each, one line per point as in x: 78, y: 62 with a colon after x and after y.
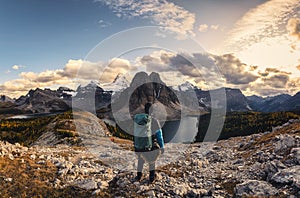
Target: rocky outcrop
x: 288, y: 176
x: 255, y: 188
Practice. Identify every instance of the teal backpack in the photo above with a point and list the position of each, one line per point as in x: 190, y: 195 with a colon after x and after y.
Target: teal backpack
x: 142, y: 132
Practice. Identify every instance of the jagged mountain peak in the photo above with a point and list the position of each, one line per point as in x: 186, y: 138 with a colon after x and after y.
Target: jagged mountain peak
x: 119, y: 83
x: 93, y: 85
x: 62, y: 89
x: 141, y: 78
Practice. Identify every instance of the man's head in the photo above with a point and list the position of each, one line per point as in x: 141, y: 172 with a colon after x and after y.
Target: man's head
x: 147, y: 107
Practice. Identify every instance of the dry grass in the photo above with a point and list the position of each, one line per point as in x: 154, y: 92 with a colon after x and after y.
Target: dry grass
x: 229, y: 186
x: 172, y: 170
x: 267, y: 140
x: 123, y: 143
x: 30, y: 179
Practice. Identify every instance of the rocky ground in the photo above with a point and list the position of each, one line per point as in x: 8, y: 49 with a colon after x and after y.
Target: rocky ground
x: 260, y: 165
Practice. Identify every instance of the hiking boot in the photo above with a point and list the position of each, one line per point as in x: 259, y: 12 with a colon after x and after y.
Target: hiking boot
x: 138, y: 176
x: 152, y: 176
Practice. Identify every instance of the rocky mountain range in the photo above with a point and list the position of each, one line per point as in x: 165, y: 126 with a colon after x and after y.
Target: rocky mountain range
x: 143, y: 88
x: 283, y: 102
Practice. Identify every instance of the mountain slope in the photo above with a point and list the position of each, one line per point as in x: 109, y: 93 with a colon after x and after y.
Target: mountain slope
x: 292, y: 103
x: 44, y: 101
x: 91, y: 97
x: 234, y: 99
x: 269, y: 104
x: 4, y: 98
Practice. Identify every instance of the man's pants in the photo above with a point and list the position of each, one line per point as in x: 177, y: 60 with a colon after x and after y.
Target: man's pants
x: 150, y: 157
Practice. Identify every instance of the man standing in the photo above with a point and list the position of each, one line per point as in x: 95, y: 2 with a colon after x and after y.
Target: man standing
x: 148, y: 141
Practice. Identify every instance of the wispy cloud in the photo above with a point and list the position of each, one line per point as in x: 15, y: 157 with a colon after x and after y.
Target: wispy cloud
x: 160, y: 12
x: 293, y: 27
x: 203, y: 28
x: 104, y: 24
x: 267, y: 20
x: 214, y: 27
x: 206, y: 28
x: 17, y: 67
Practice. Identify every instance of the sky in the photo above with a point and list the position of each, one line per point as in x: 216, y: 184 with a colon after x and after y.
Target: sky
x: 250, y: 45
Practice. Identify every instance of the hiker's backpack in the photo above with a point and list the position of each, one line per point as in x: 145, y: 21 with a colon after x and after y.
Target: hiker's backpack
x: 142, y: 132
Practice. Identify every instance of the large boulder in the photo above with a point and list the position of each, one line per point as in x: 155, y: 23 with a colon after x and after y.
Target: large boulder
x: 284, y: 142
x: 255, y: 188
x: 295, y: 153
x: 288, y: 176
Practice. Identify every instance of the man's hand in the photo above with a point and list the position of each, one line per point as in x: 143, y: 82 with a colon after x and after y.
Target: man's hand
x: 162, y: 150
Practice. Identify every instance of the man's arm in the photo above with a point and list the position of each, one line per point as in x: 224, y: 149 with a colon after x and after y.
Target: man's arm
x: 159, y: 137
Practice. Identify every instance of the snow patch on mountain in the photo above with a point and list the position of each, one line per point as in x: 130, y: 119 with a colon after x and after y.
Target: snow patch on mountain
x: 186, y: 86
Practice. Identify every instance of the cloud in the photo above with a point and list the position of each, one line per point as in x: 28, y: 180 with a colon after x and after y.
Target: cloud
x: 160, y: 12
x: 294, y: 85
x: 187, y: 64
x: 17, y: 67
x: 276, y: 81
x: 202, y: 68
x: 298, y: 67
x: 82, y: 69
x: 262, y: 90
x: 198, y: 68
x: 203, y: 28
x: 74, y: 72
x: 234, y: 70
x: 104, y: 24
x: 266, y: 20
x: 269, y: 71
x: 214, y: 27
x: 206, y: 70
x: 261, y: 37
x: 116, y: 66
x: 293, y: 27
x: 273, y: 81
